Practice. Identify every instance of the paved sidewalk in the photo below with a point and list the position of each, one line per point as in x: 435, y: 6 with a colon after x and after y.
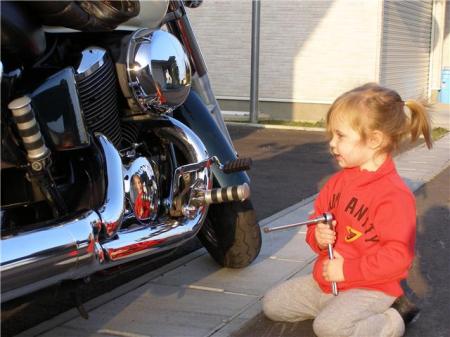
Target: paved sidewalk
x: 194, y: 297
x: 440, y: 115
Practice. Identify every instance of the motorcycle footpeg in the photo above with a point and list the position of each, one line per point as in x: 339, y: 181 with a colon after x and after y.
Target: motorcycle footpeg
x: 240, y: 164
x: 227, y: 194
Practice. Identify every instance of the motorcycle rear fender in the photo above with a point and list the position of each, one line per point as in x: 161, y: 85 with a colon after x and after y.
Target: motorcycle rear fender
x: 197, y: 117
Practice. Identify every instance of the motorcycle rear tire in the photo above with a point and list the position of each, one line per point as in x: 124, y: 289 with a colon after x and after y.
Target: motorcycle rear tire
x: 231, y: 234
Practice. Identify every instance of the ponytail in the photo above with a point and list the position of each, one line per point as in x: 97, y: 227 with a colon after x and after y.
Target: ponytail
x: 419, y: 122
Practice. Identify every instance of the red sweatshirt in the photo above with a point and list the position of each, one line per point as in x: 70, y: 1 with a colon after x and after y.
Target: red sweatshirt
x: 142, y: 206
x: 375, y: 231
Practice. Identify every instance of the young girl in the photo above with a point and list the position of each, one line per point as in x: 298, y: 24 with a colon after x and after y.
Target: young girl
x: 374, y: 230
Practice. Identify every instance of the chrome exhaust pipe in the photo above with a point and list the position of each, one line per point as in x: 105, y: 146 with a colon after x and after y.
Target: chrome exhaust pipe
x: 111, y: 213
x: 134, y: 243
x: 64, y: 250
x: 168, y: 233
x: 184, y: 138
x: 71, y: 250
x: 35, y: 260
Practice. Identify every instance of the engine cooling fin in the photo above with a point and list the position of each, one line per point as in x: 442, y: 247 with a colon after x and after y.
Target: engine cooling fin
x: 130, y: 132
x: 97, y: 87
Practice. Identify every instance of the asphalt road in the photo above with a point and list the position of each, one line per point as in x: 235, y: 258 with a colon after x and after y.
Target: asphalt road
x: 288, y: 165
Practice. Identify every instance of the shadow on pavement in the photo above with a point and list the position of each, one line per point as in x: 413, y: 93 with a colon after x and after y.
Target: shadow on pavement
x: 428, y: 281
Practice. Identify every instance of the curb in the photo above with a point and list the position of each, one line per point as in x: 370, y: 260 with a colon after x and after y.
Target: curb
x: 279, y: 127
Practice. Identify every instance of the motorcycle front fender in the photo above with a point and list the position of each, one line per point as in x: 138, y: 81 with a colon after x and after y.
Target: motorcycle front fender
x: 195, y: 114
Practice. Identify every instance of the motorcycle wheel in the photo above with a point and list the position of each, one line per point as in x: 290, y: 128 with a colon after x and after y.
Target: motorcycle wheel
x: 231, y: 234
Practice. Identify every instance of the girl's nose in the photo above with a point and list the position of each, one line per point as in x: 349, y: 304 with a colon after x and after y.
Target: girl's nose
x: 332, y: 142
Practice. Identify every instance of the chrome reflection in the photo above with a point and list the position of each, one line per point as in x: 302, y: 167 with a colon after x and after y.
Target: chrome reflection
x: 91, y: 59
x: 191, y: 145
x: 112, y: 210
x: 184, y: 138
x: 158, y: 70
x: 141, y: 189
x: 167, y: 232
x: 35, y: 260
x: 157, y: 238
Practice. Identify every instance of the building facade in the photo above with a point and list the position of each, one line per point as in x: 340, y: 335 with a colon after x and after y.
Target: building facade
x: 312, y: 51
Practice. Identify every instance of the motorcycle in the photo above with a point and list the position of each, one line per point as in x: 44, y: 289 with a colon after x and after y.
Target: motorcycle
x: 113, y: 144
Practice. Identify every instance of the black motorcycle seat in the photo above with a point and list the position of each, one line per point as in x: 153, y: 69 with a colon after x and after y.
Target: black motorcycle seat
x: 90, y: 16
x: 22, y: 38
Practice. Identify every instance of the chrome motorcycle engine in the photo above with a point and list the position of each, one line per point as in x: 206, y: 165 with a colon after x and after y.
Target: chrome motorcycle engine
x: 97, y: 87
x: 141, y: 189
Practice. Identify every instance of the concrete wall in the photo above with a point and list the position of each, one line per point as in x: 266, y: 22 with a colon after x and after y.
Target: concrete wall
x: 314, y: 50
x: 311, y: 51
x: 275, y: 110
x: 223, y: 30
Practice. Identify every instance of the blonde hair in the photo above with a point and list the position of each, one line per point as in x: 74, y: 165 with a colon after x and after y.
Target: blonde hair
x: 372, y: 107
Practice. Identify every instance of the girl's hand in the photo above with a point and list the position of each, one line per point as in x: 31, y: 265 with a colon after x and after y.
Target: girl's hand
x: 333, y: 270
x: 324, y: 235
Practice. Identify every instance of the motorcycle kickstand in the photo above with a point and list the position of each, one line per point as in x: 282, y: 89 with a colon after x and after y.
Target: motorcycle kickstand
x: 79, y: 304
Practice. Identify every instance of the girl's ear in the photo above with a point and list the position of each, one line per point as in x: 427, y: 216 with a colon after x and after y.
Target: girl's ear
x: 376, y: 139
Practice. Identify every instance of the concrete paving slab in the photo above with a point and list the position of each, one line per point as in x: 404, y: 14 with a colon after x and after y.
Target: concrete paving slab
x: 286, y: 245
x: 239, y: 321
x: 253, y: 311
x: 160, y: 310
x: 440, y: 115
x: 438, y: 158
x: 72, y: 332
x: 256, y: 279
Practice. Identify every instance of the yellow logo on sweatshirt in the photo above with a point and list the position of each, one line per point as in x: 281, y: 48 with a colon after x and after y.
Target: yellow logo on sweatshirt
x: 352, y: 234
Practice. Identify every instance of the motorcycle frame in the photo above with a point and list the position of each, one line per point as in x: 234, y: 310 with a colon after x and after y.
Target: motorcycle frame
x: 181, y: 28
x: 195, y: 115
x: 207, y: 123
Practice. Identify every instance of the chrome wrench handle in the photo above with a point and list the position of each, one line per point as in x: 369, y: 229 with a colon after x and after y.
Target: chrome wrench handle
x: 328, y: 217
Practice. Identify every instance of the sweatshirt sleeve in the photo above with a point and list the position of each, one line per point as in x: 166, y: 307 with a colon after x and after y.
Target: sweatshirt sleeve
x: 320, y: 207
x: 395, y: 225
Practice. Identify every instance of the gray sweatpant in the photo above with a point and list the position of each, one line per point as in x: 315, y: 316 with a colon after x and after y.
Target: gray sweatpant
x: 355, y: 312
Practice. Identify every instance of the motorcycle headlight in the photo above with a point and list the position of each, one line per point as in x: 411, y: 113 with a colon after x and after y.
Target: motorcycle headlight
x: 158, y: 70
